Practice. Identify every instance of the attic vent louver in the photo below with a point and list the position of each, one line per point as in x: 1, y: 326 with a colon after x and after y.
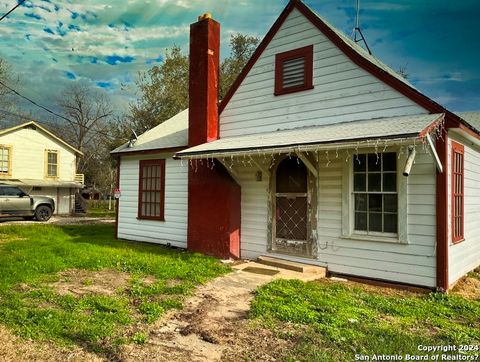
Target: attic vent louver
x: 294, y: 72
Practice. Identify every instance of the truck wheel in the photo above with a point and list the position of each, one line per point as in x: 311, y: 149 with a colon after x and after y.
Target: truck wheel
x: 43, y: 213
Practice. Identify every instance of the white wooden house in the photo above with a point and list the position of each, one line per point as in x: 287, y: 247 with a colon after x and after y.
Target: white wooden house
x: 40, y: 163
x: 319, y: 153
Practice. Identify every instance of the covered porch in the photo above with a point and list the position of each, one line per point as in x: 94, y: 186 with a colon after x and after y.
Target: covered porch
x: 336, y: 196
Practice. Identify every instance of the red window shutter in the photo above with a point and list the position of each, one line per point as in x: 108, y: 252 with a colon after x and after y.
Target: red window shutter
x: 457, y: 190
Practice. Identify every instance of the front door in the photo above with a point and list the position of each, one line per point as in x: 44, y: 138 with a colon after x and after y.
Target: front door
x: 292, y: 224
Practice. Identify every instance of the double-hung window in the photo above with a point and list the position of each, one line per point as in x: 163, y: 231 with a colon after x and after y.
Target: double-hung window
x: 457, y: 192
x: 51, y: 164
x: 5, y: 160
x: 375, y: 194
x: 151, y: 190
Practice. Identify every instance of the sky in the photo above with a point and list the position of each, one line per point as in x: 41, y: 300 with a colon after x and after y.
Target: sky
x: 52, y: 43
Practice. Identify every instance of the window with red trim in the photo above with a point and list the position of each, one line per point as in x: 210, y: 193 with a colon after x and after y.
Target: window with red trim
x: 294, y: 70
x: 457, y: 192
x: 151, y: 190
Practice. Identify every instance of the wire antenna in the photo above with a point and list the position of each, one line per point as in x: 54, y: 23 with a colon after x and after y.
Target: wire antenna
x: 357, y: 34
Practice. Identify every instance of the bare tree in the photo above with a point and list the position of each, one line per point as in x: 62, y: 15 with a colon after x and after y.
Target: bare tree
x: 8, y: 103
x: 88, y: 111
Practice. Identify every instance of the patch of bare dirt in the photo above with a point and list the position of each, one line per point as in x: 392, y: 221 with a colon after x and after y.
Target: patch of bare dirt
x: 148, y: 280
x: 15, y: 349
x: 468, y: 287
x: 389, y: 291
x: 79, y: 282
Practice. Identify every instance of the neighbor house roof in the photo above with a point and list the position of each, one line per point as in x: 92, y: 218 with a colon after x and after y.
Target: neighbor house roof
x: 345, y: 132
x: 172, y: 133
x: 471, y: 117
x: 42, y: 129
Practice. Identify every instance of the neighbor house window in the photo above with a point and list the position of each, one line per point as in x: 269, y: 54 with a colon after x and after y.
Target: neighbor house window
x: 457, y: 192
x: 151, y: 190
x: 51, y: 163
x: 294, y: 70
x: 375, y: 193
x: 5, y: 160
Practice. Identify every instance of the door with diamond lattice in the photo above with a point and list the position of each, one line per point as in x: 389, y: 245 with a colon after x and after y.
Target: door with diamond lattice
x: 291, y: 209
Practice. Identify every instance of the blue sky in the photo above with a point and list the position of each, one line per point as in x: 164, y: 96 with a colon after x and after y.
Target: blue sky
x: 106, y: 43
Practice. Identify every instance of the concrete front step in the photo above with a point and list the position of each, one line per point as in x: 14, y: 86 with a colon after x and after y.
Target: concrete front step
x: 291, y: 265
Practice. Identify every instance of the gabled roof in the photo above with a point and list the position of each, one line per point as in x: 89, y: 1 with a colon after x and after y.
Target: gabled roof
x: 372, y: 130
x: 355, y: 53
x: 42, y: 129
x: 171, y: 134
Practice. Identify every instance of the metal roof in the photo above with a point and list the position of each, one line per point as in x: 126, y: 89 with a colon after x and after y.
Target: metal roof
x: 345, y: 132
x: 170, y: 134
x: 473, y: 118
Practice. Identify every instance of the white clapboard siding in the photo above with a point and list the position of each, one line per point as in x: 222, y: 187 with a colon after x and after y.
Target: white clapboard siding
x: 465, y: 256
x: 173, y: 230
x: 28, y: 154
x: 342, y: 90
x: 412, y: 263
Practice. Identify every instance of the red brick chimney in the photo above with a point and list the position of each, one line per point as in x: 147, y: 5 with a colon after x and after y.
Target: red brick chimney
x: 214, y: 217
x: 203, y: 83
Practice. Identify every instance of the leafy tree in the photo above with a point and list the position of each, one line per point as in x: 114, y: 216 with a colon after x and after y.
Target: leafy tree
x: 242, y: 47
x: 164, y: 88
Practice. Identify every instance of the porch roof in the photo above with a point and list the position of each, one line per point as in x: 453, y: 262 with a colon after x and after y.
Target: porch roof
x: 390, y: 128
x: 42, y: 183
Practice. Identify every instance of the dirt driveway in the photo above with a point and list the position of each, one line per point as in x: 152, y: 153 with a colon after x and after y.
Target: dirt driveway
x: 59, y: 220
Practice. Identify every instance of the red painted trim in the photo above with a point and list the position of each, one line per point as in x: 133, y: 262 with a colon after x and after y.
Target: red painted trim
x: 307, y: 54
x: 458, y: 149
x: 431, y: 126
x: 441, y: 147
x: 161, y: 164
x: 117, y: 201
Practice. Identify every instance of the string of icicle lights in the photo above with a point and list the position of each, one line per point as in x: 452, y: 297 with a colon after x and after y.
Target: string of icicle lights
x: 250, y: 158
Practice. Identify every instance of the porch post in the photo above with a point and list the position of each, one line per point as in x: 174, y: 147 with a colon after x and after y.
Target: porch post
x: 442, y: 213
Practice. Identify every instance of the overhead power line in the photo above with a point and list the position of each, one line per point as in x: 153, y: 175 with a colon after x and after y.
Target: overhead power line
x: 12, y: 9
x: 35, y: 103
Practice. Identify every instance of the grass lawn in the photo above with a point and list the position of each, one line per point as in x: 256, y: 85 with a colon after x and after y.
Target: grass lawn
x: 37, y: 263
x: 334, y: 321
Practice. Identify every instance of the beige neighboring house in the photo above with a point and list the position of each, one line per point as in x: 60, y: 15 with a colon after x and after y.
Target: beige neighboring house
x: 41, y: 164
